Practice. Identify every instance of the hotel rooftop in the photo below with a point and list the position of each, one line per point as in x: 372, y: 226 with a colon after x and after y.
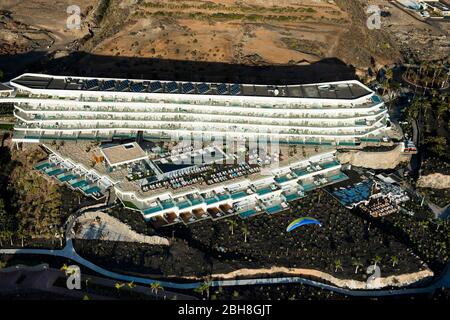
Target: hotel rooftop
x: 313, y: 91
x: 80, y: 108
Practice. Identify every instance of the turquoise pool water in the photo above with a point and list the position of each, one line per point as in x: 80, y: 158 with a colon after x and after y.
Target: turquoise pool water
x: 54, y: 172
x: 93, y: 189
x: 238, y: 195
x: 292, y: 197
x: 264, y: 191
x: 152, y: 210
x: 274, y: 209
x: 330, y: 164
x: 43, y: 166
x: 223, y: 196
x: 166, y: 204
x: 211, y: 200
x: 67, y: 177
x: 309, y: 186
x: 183, y: 204
x: 79, y: 184
x: 247, y: 213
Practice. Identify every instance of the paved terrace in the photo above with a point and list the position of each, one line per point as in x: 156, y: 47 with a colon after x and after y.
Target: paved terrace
x: 130, y: 186
x: 78, y: 153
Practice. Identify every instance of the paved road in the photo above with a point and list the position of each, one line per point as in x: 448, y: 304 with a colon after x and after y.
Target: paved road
x: 70, y: 253
x: 414, y: 164
x: 43, y: 278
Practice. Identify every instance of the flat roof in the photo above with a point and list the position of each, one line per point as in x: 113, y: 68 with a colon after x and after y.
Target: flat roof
x: 334, y: 90
x: 438, y: 5
x: 124, y: 153
x: 4, y: 87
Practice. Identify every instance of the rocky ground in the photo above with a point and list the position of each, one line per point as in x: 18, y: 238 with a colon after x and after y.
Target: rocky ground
x: 97, y: 225
x: 374, y: 160
x: 248, y: 32
x: 210, y: 247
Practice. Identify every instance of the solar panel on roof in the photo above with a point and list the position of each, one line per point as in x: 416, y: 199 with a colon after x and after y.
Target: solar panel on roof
x: 203, y: 88
x: 171, y: 86
x: 222, y: 88
x: 155, y: 86
x: 188, y: 87
x: 123, y: 85
x: 235, y: 89
x: 109, y: 84
x: 137, y: 87
x: 90, y: 84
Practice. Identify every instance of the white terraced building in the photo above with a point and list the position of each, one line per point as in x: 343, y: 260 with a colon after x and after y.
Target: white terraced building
x: 79, y: 108
x: 244, y: 196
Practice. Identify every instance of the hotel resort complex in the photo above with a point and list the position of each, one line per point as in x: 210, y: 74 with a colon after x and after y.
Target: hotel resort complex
x: 100, y: 136
x: 73, y: 108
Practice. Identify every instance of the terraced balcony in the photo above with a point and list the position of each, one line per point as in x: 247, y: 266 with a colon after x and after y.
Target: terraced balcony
x: 133, y: 119
x: 36, y: 98
x: 175, y: 110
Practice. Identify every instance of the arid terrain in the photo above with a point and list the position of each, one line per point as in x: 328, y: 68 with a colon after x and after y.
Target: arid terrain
x: 247, y: 32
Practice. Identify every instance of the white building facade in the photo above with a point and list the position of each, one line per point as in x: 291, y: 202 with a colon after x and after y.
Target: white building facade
x: 79, y: 108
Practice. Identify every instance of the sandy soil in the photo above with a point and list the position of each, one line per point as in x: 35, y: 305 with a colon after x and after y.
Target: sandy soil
x: 374, y: 160
x: 243, y: 32
x: 205, y: 38
x: 98, y: 225
x: 251, y: 32
x: 435, y: 181
x: 382, y: 282
x: 425, y: 40
x: 44, y: 20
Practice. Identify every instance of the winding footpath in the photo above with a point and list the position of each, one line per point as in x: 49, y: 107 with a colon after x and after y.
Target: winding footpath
x: 70, y: 253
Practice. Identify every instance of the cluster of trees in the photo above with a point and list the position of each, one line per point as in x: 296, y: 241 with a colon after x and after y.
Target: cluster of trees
x: 432, y: 112
x: 433, y: 105
x: 430, y: 106
x: 429, y: 238
x: 428, y: 74
x: 29, y: 205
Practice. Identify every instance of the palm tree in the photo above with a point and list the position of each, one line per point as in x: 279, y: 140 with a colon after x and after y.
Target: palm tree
x: 119, y: 286
x: 10, y: 233
x: 442, y: 108
x: 156, y: 286
x: 426, y: 107
x: 414, y: 109
x: 338, y: 265
x: 204, y: 287
x: 21, y: 235
x: 245, y: 232
x: 231, y: 225
x: 388, y: 77
x: 357, y: 264
x: 394, y: 261
x: 3, y: 235
x: 377, y: 260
